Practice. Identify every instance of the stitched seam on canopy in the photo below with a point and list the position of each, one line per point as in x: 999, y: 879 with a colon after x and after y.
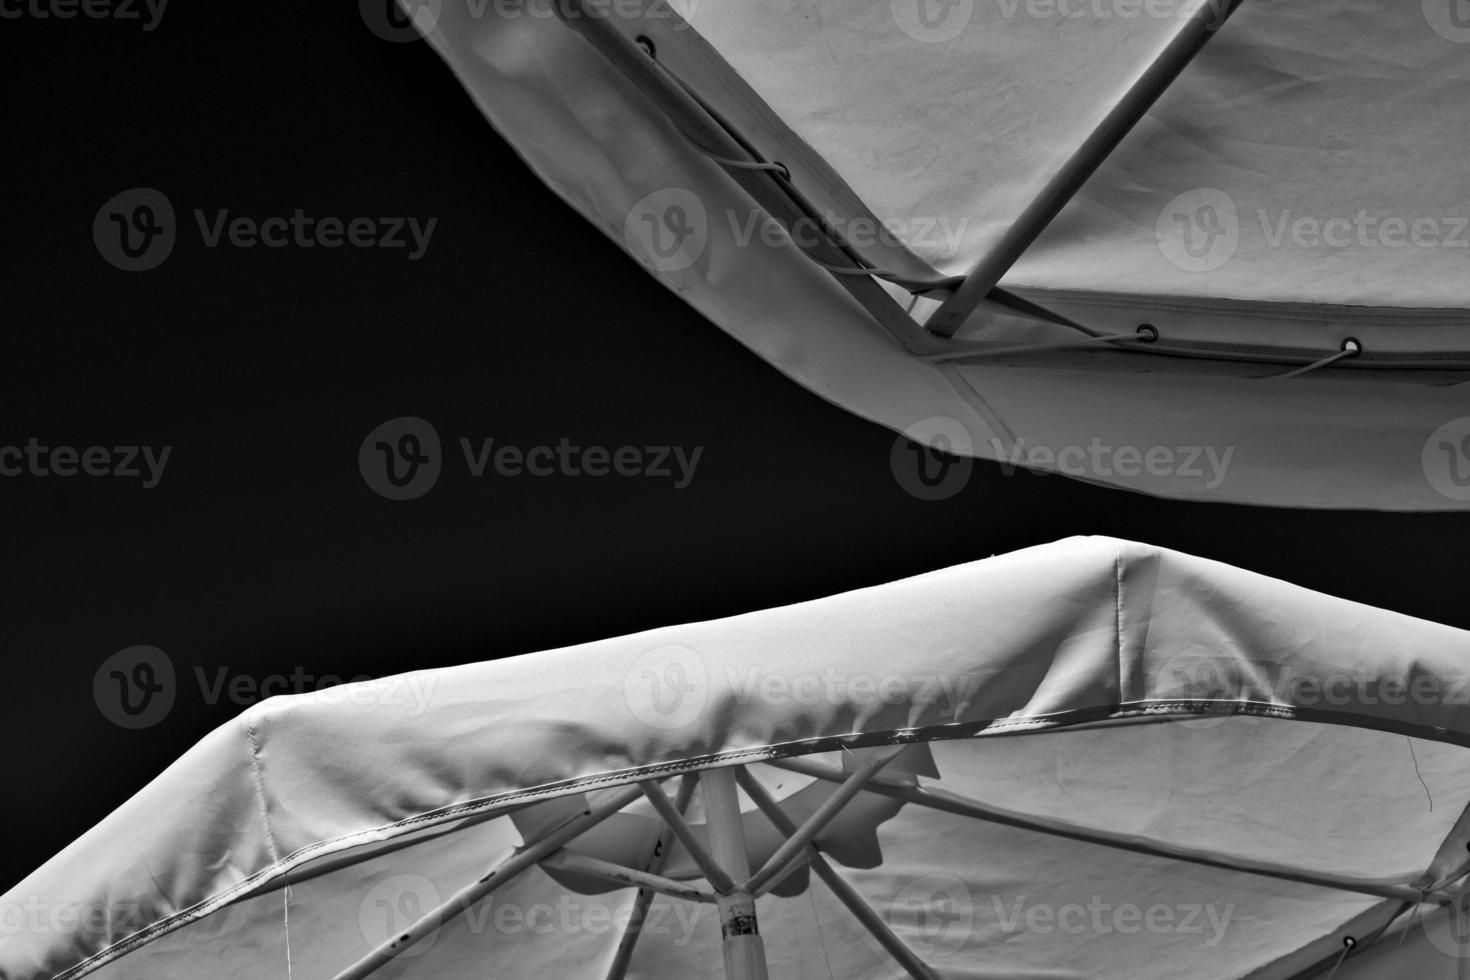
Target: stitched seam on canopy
x: 1118, y: 617
x: 194, y: 913
x: 258, y: 779
x: 733, y: 84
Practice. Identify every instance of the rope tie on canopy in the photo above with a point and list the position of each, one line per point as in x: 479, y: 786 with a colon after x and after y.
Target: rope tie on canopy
x: 1348, y: 945
x: 710, y: 133
x: 771, y: 166
x: 1145, y: 334
x: 286, y: 924
x: 1350, y: 348
x: 917, y: 286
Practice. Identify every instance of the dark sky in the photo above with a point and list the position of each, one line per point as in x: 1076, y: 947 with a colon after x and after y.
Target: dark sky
x: 262, y: 553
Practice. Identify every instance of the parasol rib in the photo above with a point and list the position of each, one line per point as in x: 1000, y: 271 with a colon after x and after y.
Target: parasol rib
x: 521, y: 860
x: 624, y: 954
x: 845, y: 893
x: 953, y: 803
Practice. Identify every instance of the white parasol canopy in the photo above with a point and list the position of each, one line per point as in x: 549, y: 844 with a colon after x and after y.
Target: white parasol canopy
x: 1093, y: 758
x: 1063, y: 234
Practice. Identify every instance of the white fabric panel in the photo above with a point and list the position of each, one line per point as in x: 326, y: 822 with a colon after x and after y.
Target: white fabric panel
x: 1309, y: 796
x: 1315, y: 110
x: 935, y: 113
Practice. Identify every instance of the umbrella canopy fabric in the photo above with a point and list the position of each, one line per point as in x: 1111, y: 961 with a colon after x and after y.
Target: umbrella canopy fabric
x: 1293, y: 195
x: 1112, y: 760
x: 1310, y: 110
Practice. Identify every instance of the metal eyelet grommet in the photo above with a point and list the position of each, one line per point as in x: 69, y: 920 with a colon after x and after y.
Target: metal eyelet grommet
x: 1148, y: 333
x: 644, y: 42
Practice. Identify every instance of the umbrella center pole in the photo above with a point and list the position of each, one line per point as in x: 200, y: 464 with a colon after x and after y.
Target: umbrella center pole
x: 744, y: 952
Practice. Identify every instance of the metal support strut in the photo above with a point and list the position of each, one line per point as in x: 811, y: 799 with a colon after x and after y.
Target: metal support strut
x: 1193, y: 35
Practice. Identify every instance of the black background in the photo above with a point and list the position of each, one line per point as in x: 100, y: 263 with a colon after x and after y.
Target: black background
x: 263, y: 552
